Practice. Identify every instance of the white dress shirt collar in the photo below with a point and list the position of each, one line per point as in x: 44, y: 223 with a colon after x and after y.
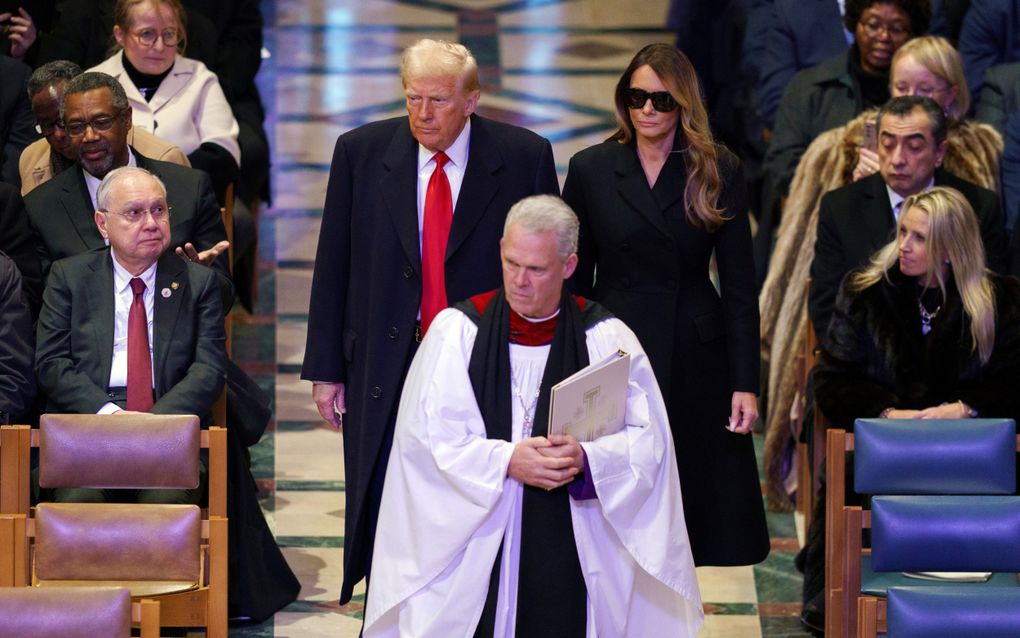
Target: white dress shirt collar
x: 458, y: 151
x: 93, y: 182
x: 895, y: 199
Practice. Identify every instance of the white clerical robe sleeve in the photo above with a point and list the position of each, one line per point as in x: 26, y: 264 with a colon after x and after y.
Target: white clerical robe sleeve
x: 442, y: 502
x: 650, y: 582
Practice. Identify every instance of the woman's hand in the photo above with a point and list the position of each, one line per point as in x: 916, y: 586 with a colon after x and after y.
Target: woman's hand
x: 955, y: 410
x: 867, y: 163
x: 743, y: 412
x: 902, y: 414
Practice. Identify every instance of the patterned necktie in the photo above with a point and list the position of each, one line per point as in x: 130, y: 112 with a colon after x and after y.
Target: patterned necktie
x: 139, y: 368
x: 435, y: 232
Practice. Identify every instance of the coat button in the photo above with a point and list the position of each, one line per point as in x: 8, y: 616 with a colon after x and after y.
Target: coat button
x: 394, y: 332
x: 624, y: 247
x: 408, y: 272
x: 376, y: 392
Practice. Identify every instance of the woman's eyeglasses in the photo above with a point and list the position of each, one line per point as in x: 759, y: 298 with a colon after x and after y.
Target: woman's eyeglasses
x: 662, y: 101
x: 148, y: 37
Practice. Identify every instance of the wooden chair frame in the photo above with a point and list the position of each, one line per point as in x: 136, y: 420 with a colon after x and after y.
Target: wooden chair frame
x: 206, y: 606
x: 843, y: 549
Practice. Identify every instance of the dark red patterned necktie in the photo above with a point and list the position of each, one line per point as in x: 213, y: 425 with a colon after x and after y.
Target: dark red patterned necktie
x: 139, y: 368
x: 435, y: 233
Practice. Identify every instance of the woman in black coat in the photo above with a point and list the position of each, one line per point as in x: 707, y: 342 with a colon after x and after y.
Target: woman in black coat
x: 654, y: 202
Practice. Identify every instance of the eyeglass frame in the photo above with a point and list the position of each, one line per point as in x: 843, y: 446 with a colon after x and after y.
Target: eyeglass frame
x: 48, y: 128
x: 137, y: 35
x: 135, y: 216
x: 875, y: 27
x: 93, y: 124
x: 662, y: 101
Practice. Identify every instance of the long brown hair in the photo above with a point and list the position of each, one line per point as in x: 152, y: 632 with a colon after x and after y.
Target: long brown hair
x: 704, y: 185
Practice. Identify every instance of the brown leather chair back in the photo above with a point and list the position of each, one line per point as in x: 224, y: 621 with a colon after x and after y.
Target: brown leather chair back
x: 122, y: 542
x: 65, y: 612
x: 119, y: 451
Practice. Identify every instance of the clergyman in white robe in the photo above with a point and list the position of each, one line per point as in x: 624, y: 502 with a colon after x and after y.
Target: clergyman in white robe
x: 448, y: 504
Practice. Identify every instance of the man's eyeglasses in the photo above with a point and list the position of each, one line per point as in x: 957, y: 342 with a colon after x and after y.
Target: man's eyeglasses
x: 159, y: 212
x: 47, y: 128
x: 101, y: 123
x: 148, y: 37
x: 662, y: 101
x: 894, y: 31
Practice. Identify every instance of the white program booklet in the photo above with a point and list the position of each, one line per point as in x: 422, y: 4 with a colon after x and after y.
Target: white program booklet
x: 591, y: 402
x: 957, y: 577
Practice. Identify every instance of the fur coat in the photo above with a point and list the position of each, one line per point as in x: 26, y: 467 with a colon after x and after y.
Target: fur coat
x: 972, y: 154
x: 877, y: 358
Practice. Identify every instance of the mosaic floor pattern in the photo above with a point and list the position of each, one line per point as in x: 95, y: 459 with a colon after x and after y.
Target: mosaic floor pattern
x: 549, y: 65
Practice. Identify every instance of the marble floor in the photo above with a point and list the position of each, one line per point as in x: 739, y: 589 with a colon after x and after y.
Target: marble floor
x: 549, y: 65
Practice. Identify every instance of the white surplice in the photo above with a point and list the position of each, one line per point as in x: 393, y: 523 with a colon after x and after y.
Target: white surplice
x: 448, y: 503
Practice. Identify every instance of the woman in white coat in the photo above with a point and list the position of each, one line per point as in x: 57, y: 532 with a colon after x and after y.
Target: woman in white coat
x: 176, y: 98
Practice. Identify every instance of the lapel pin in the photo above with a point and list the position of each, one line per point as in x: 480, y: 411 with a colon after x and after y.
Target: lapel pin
x: 166, y: 292
x: 174, y: 285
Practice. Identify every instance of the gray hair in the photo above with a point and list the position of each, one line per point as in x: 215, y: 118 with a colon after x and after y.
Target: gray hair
x: 103, y: 194
x: 438, y: 58
x: 52, y: 73
x: 91, y: 81
x: 542, y: 213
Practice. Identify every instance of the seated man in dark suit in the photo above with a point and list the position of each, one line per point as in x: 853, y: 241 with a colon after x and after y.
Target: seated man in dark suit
x: 856, y: 220
x: 96, y: 115
x: 174, y: 363
x: 17, y: 380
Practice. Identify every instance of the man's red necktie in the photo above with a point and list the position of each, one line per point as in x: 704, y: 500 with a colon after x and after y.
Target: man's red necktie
x: 435, y: 232
x: 139, y: 368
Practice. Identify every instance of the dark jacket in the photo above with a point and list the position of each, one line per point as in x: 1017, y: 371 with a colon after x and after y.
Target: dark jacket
x: 856, y: 220
x: 74, y: 340
x: 801, y: 34
x: 1000, y: 95
x: 366, y: 289
x: 876, y: 357
x: 16, y: 240
x: 816, y: 100
x: 649, y: 266
x: 17, y: 124
x: 17, y: 371
x: 990, y: 35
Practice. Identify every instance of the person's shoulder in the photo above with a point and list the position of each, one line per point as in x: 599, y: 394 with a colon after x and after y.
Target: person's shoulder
x: 13, y: 72
x: 822, y: 73
x: 45, y: 193
x: 83, y: 263
x: 1007, y: 290
x: 169, y: 171
x: 506, y: 134
x: 110, y: 66
x: 183, y: 65
x: 849, y: 195
x: 600, y: 153
x: 978, y: 196
x: 372, y: 132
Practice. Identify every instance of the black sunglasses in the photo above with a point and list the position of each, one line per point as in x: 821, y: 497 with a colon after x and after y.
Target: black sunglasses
x: 662, y: 101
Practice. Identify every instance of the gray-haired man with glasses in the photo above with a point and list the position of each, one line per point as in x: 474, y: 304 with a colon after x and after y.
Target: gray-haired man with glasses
x: 131, y: 326
x: 95, y: 114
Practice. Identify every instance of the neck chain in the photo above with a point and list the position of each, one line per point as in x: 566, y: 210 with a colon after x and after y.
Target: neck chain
x: 927, y: 317
x: 529, y: 412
